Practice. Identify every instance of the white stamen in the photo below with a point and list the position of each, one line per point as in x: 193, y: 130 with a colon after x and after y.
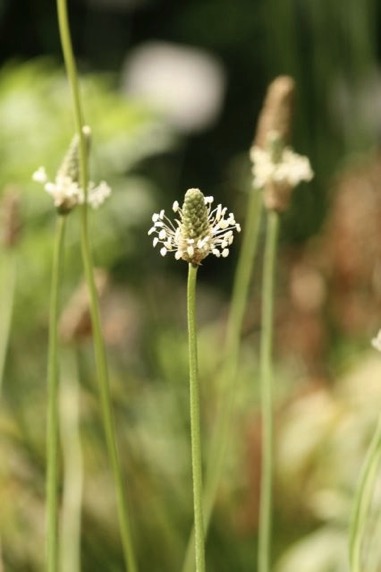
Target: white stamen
x: 40, y: 175
x: 215, y: 240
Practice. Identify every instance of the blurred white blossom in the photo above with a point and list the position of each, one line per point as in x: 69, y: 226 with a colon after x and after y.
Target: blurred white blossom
x: 289, y: 167
x: 184, y: 83
x: 66, y: 190
x: 67, y: 193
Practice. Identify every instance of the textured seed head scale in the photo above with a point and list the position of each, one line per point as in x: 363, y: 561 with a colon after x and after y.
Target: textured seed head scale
x: 277, y: 111
x: 70, y: 164
x: 195, y: 215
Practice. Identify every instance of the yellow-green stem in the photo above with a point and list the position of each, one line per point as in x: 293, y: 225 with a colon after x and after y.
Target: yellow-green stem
x: 69, y: 400
x: 242, y: 279
x: 107, y: 415
x: 265, y: 506
x: 99, y: 347
x: 8, y: 282
x: 363, y: 500
x: 53, y: 419
x: 228, y: 392
x: 229, y: 367
x: 195, y: 421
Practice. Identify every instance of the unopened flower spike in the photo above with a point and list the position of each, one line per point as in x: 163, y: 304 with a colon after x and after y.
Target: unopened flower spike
x: 198, y: 231
x: 66, y: 189
x: 278, y: 170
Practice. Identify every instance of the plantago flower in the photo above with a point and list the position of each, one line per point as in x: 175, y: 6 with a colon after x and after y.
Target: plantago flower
x: 199, y: 230
x: 278, y: 170
x: 277, y: 111
x: 65, y: 189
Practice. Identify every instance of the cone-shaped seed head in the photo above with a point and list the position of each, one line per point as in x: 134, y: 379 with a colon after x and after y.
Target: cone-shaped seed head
x: 276, y: 114
x: 198, y: 231
x: 70, y: 165
x: 195, y: 222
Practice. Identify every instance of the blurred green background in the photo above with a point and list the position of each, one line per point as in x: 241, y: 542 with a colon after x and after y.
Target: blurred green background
x: 172, y: 92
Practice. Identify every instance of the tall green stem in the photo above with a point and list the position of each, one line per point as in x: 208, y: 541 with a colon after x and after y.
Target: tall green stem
x: 363, y: 499
x: 195, y: 421
x: 107, y: 414
x: 229, y: 367
x: 72, y: 464
x: 228, y: 390
x: 100, y: 352
x: 8, y: 282
x: 242, y: 279
x: 265, y: 507
x: 53, y: 419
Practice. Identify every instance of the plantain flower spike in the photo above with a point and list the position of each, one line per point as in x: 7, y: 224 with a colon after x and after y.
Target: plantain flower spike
x: 276, y: 168
x: 198, y: 231
x: 66, y: 190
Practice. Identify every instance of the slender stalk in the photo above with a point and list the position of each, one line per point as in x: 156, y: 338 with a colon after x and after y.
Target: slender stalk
x: 7, y: 298
x: 2, y: 569
x: 363, y: 499
x: 72, y: 465
x: 71, y: 70
x: 265, y: 506
x: 99, y: 347
x: 242, y: 277
x: 195, y: 421
x: 228, y: 390
x: 232, y: 346
x: 52, y: 422
x: 372, y: 543
x: 107, y: 414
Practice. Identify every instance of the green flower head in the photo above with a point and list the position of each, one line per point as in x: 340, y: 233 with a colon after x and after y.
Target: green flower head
x: 199, y: 230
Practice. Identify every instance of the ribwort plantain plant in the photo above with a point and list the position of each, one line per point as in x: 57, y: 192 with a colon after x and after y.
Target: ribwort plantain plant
x: 70, y: 188
x: 198, y: 231
x: 276, y: 170
x: 66, y: 193
x: 276, y: 112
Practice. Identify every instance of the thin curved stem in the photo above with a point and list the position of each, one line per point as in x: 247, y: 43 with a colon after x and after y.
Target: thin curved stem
x: 53, y: 419
x: 70, y: 546
x: 228, y: 390
x: 243, y: 276
x: 195, y: 421
x: 229, y: 367
x: 363, y: 499
x: 71, y: 70
x: 99, y: 347
x: 265, y: 506
x: 7, y: 299
x: 107, y: 414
